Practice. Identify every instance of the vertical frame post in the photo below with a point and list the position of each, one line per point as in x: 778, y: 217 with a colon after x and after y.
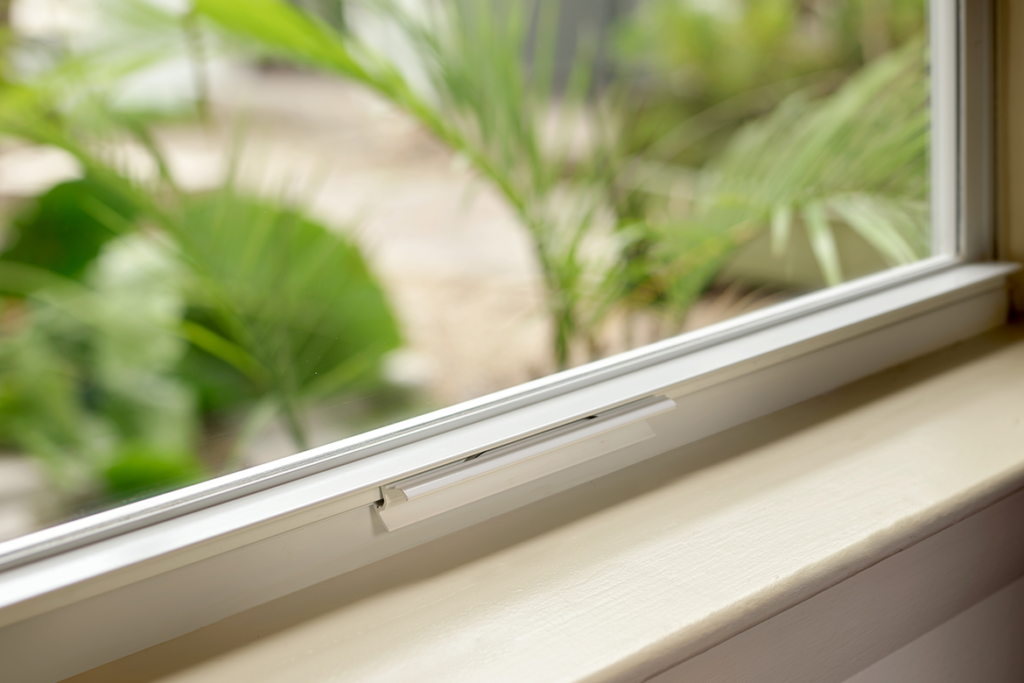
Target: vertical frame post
x: 976, y: 93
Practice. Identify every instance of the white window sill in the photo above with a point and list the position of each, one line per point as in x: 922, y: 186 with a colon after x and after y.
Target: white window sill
x: 627, y: 576
x: 116, y: 596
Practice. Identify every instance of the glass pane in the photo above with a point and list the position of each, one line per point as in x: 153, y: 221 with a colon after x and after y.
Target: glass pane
x: 235, y: 230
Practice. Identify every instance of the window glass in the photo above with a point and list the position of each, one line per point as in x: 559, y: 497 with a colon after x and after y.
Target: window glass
x: 233, y: 230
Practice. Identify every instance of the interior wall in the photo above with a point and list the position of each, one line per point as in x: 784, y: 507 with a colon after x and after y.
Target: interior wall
x: 981, y: 644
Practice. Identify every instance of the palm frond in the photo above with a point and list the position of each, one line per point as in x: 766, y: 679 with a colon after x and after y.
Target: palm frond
x: 857, y: 158
x: 477, y: 97
x: 295, y: 304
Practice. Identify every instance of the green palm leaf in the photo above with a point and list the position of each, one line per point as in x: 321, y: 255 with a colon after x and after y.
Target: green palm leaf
x: 288, y: 303
x: 857, y: 158
x: 295, y: 305
x: 470, y: 89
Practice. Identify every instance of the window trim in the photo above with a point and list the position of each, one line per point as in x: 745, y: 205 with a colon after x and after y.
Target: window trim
x: 332, y: 515
x: 868, y: 325
x: 975, y: 131
x: 101, y: 526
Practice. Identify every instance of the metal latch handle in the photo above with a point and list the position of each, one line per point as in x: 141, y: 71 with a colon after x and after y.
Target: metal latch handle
x: 460, y: 483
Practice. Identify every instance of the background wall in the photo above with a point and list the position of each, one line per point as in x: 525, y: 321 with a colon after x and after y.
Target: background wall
x: 982, y: 643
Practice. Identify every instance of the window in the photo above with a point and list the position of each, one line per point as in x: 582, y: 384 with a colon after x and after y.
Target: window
x: 542, y: 436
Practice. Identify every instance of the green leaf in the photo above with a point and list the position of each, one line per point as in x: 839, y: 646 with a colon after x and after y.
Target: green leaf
x: 65, y: 228
x: 216, y: 345
x: 41, y: 411
x: 141, y: 470
x: 469, y: 88
x: 893, y: 231
x: 136, y: 347
x: 823, y: 242
x: 295, y: 303
x: 782, y: 226
x: 860, y: 155
x: 284, y: 29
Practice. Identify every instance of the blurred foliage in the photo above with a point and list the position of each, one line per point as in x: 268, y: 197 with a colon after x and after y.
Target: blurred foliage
x: 64, y: 229
x: 89, y: 366
x: 42, y: 407
x: 466, y: 85
x: 332, y: 12
x: 857, y: 158
x: 602, y: 236
x: 228, y: 288
x: 132, y: 309
x: 295, y: 307
x: 702, y: 69
x: 142, y: 469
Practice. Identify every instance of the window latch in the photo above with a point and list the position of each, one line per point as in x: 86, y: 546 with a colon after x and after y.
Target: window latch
x: 459, y: 483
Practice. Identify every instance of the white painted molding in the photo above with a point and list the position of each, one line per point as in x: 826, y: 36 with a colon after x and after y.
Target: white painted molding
x: 845, y: 629
x: 205, y: 566
x: 907, y: 484
x: 982, y: 644
x: 449, y: 487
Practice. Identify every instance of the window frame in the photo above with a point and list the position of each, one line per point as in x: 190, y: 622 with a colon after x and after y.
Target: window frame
x: 199, y: 537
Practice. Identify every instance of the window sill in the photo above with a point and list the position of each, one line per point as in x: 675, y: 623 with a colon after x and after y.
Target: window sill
x: 96, y: 603
x: 630, y: 575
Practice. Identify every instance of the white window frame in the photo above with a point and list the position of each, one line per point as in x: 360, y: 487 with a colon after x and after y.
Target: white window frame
x: 203, y: 553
